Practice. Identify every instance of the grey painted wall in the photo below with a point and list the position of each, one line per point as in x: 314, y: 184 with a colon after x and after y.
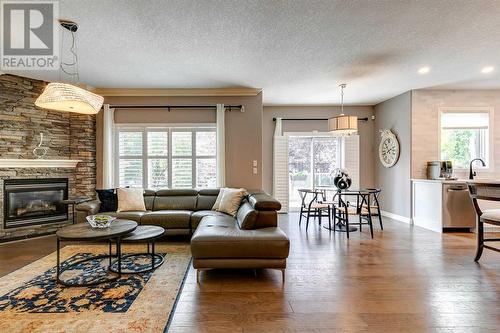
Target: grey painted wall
x: 395, y: 114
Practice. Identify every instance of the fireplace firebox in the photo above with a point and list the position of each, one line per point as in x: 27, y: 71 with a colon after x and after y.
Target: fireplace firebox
x: 34, y: 201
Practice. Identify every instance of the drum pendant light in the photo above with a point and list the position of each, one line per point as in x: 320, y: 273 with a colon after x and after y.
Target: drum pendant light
x: 67, y: 97
x: 343, y: 124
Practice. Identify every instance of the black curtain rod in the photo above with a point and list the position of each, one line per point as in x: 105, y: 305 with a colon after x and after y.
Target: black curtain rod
x: 171, y: 107
x: 308, y: 119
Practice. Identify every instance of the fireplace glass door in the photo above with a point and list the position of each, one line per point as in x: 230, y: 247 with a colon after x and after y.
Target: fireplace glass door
x: 36, y: 201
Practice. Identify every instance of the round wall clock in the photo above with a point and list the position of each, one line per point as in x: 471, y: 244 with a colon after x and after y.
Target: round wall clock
x: 388, y: 150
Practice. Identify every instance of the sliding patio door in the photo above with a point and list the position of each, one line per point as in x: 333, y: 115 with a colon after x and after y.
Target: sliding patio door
x: 311, y: 162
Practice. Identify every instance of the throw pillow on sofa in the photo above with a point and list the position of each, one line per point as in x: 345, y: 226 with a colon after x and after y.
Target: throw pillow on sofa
x: 231, y: 200
x: 108, y: 199
x: 130, y: 199
x: 219, y: 198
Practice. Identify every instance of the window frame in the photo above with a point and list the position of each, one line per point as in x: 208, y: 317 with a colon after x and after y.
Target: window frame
x: 471, y: 109
x: 169, y: 128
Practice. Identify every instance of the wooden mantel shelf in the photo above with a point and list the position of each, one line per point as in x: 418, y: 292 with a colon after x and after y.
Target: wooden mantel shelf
x: 37, y: 163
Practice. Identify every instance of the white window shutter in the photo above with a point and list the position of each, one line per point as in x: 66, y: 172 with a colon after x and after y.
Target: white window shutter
x: 351, y: 158
x: 280, y: 171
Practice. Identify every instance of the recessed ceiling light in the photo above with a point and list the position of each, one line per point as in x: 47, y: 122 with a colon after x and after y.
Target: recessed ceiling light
x: 424, y: 70
x: 487, y: 69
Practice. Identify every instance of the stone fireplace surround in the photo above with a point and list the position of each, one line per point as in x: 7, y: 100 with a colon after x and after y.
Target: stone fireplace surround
x: 68, y: 136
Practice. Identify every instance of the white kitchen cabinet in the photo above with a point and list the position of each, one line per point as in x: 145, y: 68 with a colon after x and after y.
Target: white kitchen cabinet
x: 427, y: 204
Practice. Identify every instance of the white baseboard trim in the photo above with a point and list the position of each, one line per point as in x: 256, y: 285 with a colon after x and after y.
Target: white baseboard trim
x: 396, y: 217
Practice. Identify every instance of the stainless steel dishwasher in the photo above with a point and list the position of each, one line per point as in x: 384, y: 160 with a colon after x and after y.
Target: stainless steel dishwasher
x: 458, y: 211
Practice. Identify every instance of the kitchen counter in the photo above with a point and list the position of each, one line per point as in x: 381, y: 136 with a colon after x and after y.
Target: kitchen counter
x: 484, y: 181
x: 443, y: 181
x: 438, y: 204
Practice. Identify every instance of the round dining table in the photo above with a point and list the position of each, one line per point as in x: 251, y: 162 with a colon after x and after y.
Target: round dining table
x: 340, y: 202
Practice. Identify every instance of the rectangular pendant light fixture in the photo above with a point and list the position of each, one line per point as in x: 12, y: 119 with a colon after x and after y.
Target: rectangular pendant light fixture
x: 343, y: 124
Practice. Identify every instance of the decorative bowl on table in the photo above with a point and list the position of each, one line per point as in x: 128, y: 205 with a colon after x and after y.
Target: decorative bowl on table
x: 100, y: 221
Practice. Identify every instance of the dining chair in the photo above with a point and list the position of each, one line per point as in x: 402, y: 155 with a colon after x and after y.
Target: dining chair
x: 375, y: 205
x: 488, y: 192
x: 316, y: 207
x: 345, y: 209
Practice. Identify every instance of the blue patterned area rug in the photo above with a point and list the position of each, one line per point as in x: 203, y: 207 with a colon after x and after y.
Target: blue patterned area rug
x: 32, y: 301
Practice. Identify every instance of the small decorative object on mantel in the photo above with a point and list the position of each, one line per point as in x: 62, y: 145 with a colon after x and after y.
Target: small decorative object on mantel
x: 40, y: 151
x: 341, y: 179
x: 388, y: 150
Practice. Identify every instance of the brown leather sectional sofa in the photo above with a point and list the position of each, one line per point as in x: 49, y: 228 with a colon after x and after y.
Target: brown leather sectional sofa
x: 252, y: 239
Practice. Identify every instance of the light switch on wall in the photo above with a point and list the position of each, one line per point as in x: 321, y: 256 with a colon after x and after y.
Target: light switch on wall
x: 255, y: 171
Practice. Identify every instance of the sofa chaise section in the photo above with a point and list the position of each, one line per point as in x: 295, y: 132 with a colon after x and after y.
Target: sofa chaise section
x: 251, y: 240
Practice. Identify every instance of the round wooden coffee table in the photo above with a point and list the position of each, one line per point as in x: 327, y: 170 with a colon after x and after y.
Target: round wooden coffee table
x: 142, y: 234
x: 83, y: 232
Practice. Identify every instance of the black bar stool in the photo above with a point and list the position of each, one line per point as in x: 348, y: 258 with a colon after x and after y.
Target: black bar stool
x: 489, y: 192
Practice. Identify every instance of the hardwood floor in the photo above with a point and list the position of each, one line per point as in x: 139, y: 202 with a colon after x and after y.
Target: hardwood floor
x: 15, y: 255
x: 404, y: 280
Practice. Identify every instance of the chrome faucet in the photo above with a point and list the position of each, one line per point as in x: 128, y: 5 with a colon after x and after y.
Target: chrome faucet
x: 473, y: 173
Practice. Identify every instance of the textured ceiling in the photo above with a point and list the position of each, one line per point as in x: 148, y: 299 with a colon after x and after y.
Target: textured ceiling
x: 296, y: 51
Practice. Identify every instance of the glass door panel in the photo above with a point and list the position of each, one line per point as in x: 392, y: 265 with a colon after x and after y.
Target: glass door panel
x: 311, y: 162
x: 325, y: 160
